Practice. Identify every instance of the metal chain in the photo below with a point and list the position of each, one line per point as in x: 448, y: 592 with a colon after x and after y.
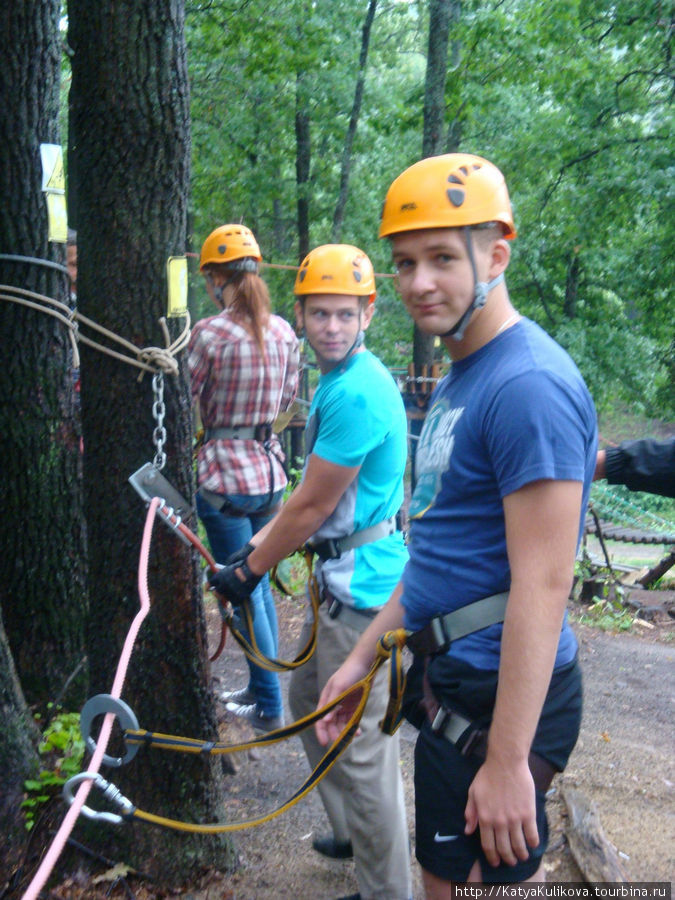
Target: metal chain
x: 158, y: 412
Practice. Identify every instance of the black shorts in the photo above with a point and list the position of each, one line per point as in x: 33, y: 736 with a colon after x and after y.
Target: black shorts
x: 443, y: 776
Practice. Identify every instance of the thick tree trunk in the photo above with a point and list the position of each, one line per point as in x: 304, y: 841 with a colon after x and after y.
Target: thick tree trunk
x: 131, y: 107
x: 42, y: 536
x: 18, y: 758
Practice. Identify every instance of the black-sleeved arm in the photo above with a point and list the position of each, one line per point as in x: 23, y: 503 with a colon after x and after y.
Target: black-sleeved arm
x: 643, y: 465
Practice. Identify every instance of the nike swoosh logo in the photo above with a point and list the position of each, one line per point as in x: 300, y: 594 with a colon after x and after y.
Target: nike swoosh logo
x: 439, y: 838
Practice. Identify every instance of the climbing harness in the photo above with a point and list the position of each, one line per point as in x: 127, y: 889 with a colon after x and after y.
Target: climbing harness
x: 333, y: 548
x: 260, y: 433
x: 441, y: 631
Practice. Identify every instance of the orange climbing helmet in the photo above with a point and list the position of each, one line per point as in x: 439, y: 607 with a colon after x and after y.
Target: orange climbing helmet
x: 336, y: 269
x: 228, y: 243
x: 449, y: 191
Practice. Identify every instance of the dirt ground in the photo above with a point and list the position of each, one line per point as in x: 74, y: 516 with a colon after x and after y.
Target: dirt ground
x: 623, y: 764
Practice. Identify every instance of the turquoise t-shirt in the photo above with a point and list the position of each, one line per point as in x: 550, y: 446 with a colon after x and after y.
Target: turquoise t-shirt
x: 357, y: 419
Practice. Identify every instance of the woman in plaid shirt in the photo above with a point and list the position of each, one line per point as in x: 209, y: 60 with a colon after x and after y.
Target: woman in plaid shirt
x: 244, y: 370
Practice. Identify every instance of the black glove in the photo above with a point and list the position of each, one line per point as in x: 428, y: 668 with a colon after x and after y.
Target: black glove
x: 228, y: 584
x: 240, y: 555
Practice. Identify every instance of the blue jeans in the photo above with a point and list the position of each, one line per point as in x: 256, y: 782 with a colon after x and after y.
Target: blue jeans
x: 227, y: 534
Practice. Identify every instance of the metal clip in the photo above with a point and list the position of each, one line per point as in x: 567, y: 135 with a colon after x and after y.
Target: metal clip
x: 110, y: 792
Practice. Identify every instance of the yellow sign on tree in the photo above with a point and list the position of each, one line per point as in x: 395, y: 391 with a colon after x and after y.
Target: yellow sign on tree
x: 54, y: 186
x: 177, y: 281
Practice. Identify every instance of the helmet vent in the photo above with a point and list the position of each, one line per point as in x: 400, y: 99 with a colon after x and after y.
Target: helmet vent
x: 456, y: 196
x: 222, y: 249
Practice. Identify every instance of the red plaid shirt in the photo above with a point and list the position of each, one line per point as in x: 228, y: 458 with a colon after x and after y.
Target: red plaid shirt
x: 236, y: 385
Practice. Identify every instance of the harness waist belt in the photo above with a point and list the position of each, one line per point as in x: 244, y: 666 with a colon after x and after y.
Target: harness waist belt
x: 262, y: 432
x: 441, y: 631
x: 469, y: 740
x: 333, y: 548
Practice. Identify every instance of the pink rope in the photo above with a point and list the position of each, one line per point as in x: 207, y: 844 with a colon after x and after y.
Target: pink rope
x: 62, y: 835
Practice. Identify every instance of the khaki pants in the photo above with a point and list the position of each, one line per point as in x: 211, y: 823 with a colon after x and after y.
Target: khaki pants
x: 363, y: 792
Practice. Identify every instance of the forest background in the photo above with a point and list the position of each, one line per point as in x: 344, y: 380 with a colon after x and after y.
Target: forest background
x: 292, y: 117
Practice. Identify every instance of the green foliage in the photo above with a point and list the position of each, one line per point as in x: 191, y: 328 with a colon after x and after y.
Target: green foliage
x: 572, y: 100
x: 608, y: 615
x: 62, y: 748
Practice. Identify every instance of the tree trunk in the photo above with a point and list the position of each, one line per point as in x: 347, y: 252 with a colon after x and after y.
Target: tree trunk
x: 131, y: 107
x: 42, y: 535
x: 303, y: 158
x: 18, y: 759
x: 441, y: 13
x: 338, y: 216
x: 572, y: 285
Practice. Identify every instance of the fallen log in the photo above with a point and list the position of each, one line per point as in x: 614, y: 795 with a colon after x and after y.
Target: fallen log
x: 595, y: 856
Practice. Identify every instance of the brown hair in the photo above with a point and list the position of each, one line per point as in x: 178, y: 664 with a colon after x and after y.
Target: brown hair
x: 251, y: 304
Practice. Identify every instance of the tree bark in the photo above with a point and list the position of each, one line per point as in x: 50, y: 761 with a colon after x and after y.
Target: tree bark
x: 131, y: 108
x: 441, y: 14
x: 42, y: 574
x: 18, y: 758
x: 303, y: 159
x: 338, y: 216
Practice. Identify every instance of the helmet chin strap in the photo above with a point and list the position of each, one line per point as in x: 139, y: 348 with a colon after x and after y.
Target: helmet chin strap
x: 360, y: 337
x: 480, y: 292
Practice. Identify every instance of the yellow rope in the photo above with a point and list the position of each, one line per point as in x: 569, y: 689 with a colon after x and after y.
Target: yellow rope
x: 148, y: 359
x: 389, y: 647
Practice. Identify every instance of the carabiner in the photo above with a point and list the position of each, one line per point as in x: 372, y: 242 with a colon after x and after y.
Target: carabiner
x: 110, y: 792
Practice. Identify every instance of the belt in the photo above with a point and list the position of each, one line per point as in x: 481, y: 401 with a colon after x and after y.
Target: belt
x: 441, y: 631
x: 262, y: 433
x: 333, y: 548
x: 469, y: 740
x: 359, y: 619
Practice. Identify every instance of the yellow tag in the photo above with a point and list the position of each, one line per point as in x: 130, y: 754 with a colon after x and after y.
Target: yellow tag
x: 54, y: 186
x: 177, y: 280
x: 52, y: 167
x: 57, y: 217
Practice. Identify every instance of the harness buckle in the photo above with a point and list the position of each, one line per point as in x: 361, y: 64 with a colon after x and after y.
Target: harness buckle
x: 263, y: 432
x: 327, y: 549
x: 440, y: 635
x: 335, y: 608
x: 440, y: 719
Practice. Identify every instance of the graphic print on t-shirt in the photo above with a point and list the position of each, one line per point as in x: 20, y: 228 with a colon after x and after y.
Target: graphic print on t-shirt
x: 433, y: 455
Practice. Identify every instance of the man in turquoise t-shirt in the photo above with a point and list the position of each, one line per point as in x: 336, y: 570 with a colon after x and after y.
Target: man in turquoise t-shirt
x: 346, y: 506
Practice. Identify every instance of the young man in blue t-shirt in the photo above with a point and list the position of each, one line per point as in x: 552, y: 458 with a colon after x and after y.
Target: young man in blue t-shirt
x: 350, y: 494
x: 504, y: 462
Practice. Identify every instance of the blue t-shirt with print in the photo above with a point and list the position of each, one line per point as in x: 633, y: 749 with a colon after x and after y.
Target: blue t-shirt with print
x: 515, y: 411
x: 357, y: 419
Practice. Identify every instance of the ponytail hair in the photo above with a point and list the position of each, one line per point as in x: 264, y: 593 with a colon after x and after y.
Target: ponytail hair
x: 251, y: 304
